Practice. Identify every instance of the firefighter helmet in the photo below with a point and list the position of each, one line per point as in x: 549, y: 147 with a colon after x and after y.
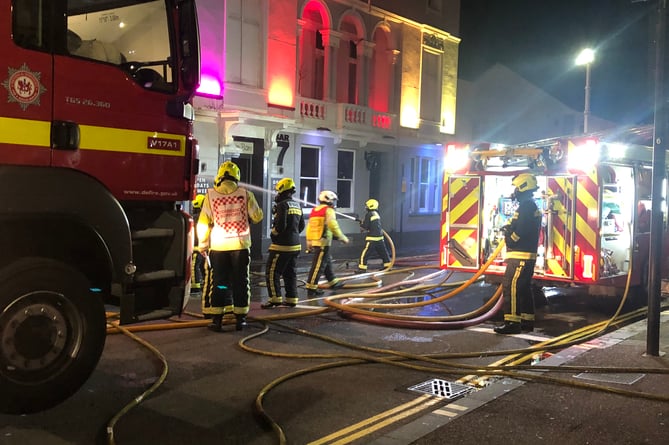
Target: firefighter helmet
x: 197, y: 202
x: 227, y: 170
x: 525, y: 182
x: 328, y: 197
x: 372, y: 204
x: 285, y: 185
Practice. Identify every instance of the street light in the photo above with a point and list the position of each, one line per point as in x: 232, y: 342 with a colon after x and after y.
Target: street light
x: 586, y: 57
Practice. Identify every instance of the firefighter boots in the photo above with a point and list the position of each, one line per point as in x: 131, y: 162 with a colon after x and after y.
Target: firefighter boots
x: 216, y: 321
x: 240, y: 321
x: 526, y: 325
x: 509, y: 327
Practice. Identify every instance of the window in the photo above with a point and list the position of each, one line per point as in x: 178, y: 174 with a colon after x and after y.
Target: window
x: 425, y: 181
x: 319, y: 67
x: 352, y: 73
x: 134, y: 37
x: 244, y: 48
x: 430, y: 87
x: 310, y: 169
x: 28, y: 25
x: 345, y: 163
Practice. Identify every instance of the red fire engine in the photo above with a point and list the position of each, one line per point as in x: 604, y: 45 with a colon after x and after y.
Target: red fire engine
x: 96, y: 155
x: 595, y: 193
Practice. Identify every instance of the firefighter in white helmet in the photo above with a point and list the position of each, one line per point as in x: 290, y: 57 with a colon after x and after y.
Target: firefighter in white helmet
x: 322, y: 228
x: 521, y: 235
x: 374, y: 238
x: 224, y: 235
x: 287, y: 224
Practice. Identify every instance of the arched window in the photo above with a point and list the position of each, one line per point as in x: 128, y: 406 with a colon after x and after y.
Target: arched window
x: 380, y: 88
x: 348, y: 66
x: 311, y: 74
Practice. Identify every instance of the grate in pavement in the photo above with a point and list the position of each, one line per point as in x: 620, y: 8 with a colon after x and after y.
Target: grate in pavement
x: 441, y: 388
x: 624, y: 379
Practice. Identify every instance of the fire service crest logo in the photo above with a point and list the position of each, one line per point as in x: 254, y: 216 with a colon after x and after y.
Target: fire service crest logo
x: 24, y: 86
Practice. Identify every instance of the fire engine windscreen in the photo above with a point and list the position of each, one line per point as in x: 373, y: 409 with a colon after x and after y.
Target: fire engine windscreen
x: 133, y: 35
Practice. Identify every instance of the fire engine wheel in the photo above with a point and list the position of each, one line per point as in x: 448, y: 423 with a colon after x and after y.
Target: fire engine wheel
x: 52, y: 333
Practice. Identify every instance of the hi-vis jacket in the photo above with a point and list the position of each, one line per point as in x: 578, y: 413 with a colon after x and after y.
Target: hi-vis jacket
x: 372, y: 224
x: 223, y: 224
x: 522, y: 232
x: 287, y: 224
x: 323, y: 226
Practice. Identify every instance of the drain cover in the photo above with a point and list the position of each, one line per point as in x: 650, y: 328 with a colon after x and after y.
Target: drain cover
x: 441, y: 388
x: 623, y: 379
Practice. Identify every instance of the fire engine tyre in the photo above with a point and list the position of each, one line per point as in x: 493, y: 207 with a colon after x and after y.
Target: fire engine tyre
x: 52, y: 333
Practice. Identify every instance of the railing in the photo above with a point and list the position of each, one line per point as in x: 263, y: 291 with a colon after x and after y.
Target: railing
x: 340, y: 116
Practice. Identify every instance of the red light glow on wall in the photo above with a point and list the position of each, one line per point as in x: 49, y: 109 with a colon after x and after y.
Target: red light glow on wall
x: 280, y: 93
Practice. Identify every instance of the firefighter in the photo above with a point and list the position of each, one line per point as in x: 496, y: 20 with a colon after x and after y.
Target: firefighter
x: 287, y: 224
x: 322, y: 228
x: 198, y: 261
x: 521, y: 235
x: 225, y: 237
x: 374, y: 238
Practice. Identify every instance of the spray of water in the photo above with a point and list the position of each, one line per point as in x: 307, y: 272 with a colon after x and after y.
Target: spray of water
x: 256, y: 188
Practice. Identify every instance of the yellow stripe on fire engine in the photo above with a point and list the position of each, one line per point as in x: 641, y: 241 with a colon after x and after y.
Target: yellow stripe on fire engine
x: 467, y: 203
x: 25, y: 132
x: 128, y: 141
x: 590, y: 203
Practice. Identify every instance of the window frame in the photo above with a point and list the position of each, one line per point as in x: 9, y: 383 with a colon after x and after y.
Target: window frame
x: 350, y: 181
x: 307, y: 205
x: 425, y: 187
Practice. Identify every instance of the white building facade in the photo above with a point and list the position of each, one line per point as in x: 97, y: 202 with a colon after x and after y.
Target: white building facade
x: 339, y: 95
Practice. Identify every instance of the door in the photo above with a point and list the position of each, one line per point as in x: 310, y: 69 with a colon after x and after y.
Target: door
x: 26, y: 77
x: 462, y: 245
x: 558, y: 234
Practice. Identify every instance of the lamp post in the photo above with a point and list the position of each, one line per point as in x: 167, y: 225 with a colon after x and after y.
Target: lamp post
x: 586, y: 57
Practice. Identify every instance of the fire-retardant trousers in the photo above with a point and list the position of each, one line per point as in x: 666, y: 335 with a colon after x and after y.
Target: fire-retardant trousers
x: 517, y: 288
x: 227, y: 287
x: 379, y: 247
x: 281, y: 264
x: 321, y: 263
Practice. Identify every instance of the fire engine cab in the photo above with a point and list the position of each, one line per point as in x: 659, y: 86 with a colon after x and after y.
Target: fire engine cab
x: 595, y: 195
x: 96, y: 157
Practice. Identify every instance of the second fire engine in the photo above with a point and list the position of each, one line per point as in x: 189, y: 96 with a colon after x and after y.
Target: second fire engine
x: 595, y: 194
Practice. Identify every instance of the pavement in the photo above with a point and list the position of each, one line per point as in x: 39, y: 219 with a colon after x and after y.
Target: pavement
x: 620, y: 406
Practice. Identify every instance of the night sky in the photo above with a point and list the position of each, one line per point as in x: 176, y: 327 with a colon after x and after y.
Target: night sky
x: 540, y: 39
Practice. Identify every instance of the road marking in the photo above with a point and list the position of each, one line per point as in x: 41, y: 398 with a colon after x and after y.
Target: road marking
x: 377, y: 422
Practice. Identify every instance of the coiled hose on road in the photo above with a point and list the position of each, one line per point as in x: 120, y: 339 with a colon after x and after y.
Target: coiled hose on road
x: 511, y: 365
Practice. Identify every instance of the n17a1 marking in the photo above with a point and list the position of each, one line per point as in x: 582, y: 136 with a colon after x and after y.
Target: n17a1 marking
x: 154, y: 143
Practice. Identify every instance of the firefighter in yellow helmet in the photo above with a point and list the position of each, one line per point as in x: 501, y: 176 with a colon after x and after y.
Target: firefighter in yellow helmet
x: 374, y: 238
x: 321, y: 229
x: 287, y: 224
x: 521, y: 235
x: 198, y: 262
x: 225, y: 236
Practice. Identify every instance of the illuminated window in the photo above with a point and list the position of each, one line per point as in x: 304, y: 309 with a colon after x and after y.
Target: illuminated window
x: 345, y: 184
x: 310, y: 170
x: 244, y: 42
x: 424, y: 185
x: 380, y: 92
x: 430, y: 87
x: 134, y: 36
